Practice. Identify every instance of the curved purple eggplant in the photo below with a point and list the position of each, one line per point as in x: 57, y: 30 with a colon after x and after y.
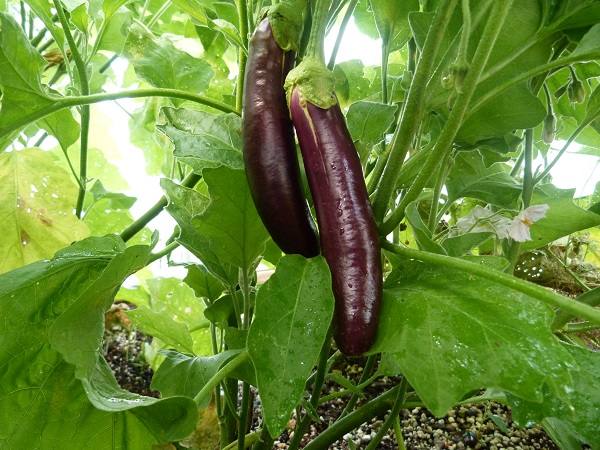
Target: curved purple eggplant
x: 348, y: 233
x: 269, y: 147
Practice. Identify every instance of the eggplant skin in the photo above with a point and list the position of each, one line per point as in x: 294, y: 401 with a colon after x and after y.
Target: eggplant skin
x: 269, y: 147
x: 347, y: 228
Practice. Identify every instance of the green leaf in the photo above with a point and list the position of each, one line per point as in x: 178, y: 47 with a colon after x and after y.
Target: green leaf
x: 43, y: 402
x: 350, y: 84
x: 115, y: 34
x: 36, y: 204
x: 420, y: 231
x: 77, y: 332
x: 230, y: 222
x: 185, y: 375
x: 470, y: 333
x: 184, y: 204
x: 460, y: 245
x: 578, y: 415
x: 203, y: 283
x: 167, y: 419
x: 589, y: 46
x: 562, y: 219
x: 391, y: 19
x: 161, y: 64
x: 204, y: 140
x: 294, y: 309
x: 21, y: 90
x: 470, y: 177
x: 368, y: 123
x: 162, y: 326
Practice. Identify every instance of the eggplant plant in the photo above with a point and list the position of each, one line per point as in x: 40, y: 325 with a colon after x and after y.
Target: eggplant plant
x: 397, y: 218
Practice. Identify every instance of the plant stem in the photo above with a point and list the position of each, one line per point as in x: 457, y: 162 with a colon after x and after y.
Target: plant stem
x: 391, y: 418
x: 265, y: 441
x: 316, y: 41
x: 543, y: 295
x: 316, y: 393
x: 158, y: 14
x: 165, y: 251
x: 364, y: 376
x: 581, y: 327
x: 242, y: 8
x: 243, y: 415
x: 68, y: 102
x: 528, y: 184
x: 562, y: 317
x: 338, y: 39
x: 229, y: 367
x: 398, y: 433
x: 190, y: 181
x: 446, y: 138
x: 85, y: 108
x: 437, y: 192
x: 378, y: 405
x: 413, y: 110
x: 248, y: 440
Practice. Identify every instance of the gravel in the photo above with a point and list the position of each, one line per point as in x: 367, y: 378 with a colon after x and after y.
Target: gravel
x: 478, y: 426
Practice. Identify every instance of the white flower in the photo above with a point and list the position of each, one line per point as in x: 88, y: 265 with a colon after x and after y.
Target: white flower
x: 481, y: 220
x: 519, y: 228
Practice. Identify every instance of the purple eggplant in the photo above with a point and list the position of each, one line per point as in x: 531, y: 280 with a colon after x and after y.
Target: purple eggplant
x: 269, y: 147
x: 348, y: 233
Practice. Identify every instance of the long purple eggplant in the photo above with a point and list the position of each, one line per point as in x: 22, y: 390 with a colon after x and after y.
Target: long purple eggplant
x: 269, y: 147
x: 348, y: 233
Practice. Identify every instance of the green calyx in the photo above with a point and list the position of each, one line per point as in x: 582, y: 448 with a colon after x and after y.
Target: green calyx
x: 287, y: 21
x: 314, y: 81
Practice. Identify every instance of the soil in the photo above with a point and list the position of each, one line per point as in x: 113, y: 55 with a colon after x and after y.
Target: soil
x: 478, y: 426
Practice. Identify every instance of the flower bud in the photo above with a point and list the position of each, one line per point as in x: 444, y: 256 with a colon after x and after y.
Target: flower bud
x: 549, y: 129
x: 576, y: 91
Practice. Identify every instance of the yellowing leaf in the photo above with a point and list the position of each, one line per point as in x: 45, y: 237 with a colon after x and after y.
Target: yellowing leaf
x: 36, y: 208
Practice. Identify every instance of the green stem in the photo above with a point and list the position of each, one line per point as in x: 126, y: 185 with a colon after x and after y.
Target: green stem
x: 69, y: 102
x: 398, y: 433
x: 242, y: 8
x: 316, y: 41
x: 375, y: 407
x: 264, y: 441
x: 437, y: 192
x: 190, y: 181
x: 158, y: 14
x: 543, y: 295
x: 338, y: 39
x: 581, y: 327
x: 362, y: 385
x: 85, y: 109
x: 364, y: 376
x: 385, y: 57
x: 524, y: 76
x: 413, y: 110
x: 165, y: 251
x: 248, y: 440
x: 562, y: 317
x: 316, y: 393
x: 466, y: 32
x: 221, y: 374
x: 455, y: 119
x: 244, y: 414
x: 528, y: 185
x: 572, y: 274
x: 393, y: 415
x: 565, y: 147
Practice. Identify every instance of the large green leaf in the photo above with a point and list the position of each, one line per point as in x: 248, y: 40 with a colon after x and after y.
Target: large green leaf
x: 162, y: 326
x: 52, y: 313
x: 563, y: 218
x: 294, y: 309
x: 21, y: 90
x: 161, y: 64
x: 204, y: 140
x: 470, y: 177
x: 36, y: 208
x: 184, y: 204
x: 186, y: 375
x: 368, y: 123
x: 469, y: 333
x: 230, y: 222
x: 577, y: 418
